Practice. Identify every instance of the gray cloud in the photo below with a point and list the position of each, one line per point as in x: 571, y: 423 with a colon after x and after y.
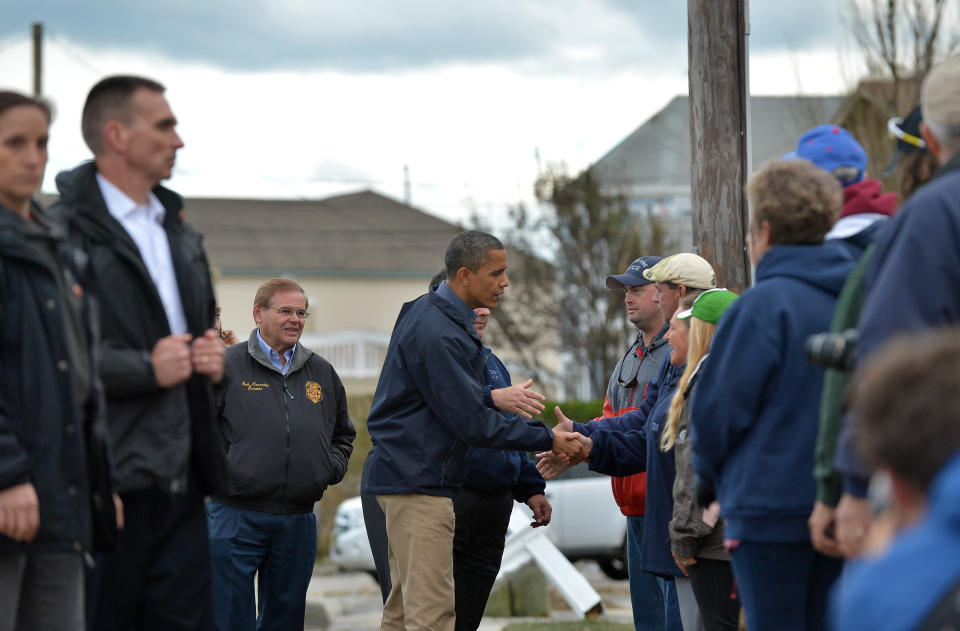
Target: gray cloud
x: 390, y: 35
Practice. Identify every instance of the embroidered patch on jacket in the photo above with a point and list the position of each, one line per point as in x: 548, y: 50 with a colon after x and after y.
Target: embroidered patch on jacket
x: 254, y: 386
x: 314, y: 393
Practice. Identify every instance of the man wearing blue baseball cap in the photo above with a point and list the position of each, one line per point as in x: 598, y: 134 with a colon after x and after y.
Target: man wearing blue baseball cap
x: 627, y: 387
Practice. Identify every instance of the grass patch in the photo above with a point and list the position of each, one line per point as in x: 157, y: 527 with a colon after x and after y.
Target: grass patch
x: 579, y: 625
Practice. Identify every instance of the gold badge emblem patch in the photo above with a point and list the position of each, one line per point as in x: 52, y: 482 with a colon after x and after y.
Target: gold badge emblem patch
x: 314, y: 393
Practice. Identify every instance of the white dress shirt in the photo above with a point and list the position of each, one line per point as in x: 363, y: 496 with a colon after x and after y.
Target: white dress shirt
x: 144, y: 224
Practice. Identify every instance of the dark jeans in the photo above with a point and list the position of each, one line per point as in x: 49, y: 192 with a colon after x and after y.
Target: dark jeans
x: 671, y: 606
x: 278, y: 549
x: 481, y: 528
x: 646, y: 598
x: 41, y: 591
x: 713, y: 587
x: 784, y: 586
x: 158, y: 577
x: 376, y: 524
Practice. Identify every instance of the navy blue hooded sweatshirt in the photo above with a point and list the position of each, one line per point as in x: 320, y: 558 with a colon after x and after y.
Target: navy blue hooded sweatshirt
x: 428, y: 408
x: 902, y: 588
x: 630, y: 444
x: 754, y: 416
x: 913, y: 283
x: 497, y: 470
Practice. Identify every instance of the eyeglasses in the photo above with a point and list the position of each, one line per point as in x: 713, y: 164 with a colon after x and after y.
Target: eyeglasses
x: 633, y: 381
x: 286, y: 312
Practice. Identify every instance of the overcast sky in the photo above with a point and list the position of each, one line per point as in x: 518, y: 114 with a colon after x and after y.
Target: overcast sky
x: 307, y: 98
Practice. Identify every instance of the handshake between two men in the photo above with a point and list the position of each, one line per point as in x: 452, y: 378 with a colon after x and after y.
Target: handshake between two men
x: 569, y: 448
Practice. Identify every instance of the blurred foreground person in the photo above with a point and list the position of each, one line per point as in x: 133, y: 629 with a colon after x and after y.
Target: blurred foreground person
x: 55, y: 478
x: 161, y: 356
x: 921, y: 242
x: 916, y: 167
x: 696, y: 535
x: 905, y: 406
x: 753, y: 421
x: 282, y: 412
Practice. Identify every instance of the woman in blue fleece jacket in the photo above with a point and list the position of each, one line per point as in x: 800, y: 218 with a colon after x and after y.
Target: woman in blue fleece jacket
x: 754, y: 417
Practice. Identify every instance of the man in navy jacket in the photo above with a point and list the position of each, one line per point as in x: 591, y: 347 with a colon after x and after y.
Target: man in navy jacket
x: 913, y: 282
x: 427, y: 412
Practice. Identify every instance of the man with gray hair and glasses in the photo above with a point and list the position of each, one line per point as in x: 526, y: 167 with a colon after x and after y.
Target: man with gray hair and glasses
x: 913, y: 282
x: 287, y: 436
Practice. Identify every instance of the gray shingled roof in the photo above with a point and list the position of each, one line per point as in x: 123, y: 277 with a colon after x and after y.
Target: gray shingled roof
x: 357, y: 234
x: 655, y: 159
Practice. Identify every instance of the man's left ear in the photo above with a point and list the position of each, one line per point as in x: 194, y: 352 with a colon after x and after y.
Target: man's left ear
x: 463, y: 276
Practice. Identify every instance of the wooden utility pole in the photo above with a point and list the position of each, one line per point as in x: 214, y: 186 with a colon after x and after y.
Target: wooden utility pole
x: 38, y: 59
x: 719, y: 126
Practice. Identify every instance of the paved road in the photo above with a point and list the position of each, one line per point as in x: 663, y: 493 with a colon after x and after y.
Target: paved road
x: 350, y: 601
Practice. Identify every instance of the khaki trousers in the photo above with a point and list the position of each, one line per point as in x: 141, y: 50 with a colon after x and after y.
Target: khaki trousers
x: 420, y: 551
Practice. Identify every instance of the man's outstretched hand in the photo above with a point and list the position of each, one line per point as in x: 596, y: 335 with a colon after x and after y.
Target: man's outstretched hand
x: 563, y: 423
x: 519, y: 400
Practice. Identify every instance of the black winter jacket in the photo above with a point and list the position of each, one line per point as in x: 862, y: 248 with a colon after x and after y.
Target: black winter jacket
x: 286, y: 437
x: 47, y: 438
x: 156, y: 433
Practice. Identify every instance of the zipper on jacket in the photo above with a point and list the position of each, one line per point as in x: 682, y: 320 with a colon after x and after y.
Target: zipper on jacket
x: 443, y: 467
x: 286, y: 420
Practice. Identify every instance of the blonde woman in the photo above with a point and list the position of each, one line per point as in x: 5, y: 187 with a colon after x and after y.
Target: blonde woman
x: 696, y: 535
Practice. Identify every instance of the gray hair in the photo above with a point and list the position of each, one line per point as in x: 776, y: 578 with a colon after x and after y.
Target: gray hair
x: 469, y: 249
x: 948, y: 135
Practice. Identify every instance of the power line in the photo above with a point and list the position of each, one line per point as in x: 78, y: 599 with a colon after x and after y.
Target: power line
x: 54, y: 36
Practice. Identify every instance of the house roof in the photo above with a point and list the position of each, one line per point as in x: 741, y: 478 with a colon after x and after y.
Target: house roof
x: 358, y: 234
x: 655, y: 158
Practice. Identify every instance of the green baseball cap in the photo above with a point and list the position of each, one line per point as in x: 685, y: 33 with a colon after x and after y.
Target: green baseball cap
x: 709, y: 305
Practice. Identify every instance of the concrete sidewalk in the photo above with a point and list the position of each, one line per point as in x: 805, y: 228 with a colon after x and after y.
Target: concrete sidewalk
x: 350, y: 601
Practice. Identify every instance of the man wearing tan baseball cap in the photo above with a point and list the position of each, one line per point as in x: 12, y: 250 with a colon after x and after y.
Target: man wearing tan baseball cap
x: 676, y: 276
x: 914, y: 276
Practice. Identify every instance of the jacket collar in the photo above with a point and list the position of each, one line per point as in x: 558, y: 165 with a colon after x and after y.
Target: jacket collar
x: 301, y: 355
x: 80, y: 195
x: 457, y: 311
x: 657, y: 340
x: 11, y: 232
